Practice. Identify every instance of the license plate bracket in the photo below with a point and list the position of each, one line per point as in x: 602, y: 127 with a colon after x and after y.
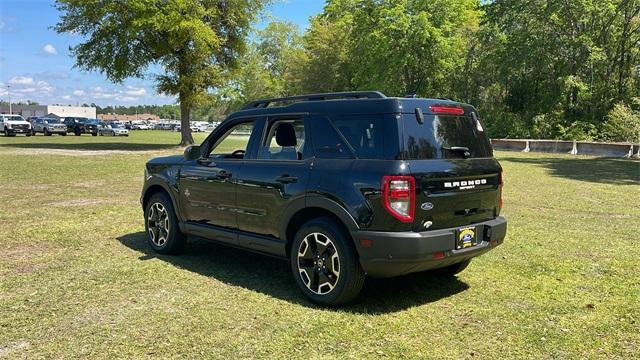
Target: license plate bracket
x: 466, y: 237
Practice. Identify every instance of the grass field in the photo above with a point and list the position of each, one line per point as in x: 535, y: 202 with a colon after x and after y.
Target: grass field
x: 78, y: 280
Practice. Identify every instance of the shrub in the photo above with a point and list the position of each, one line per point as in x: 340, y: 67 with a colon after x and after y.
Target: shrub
x: 622, y: 124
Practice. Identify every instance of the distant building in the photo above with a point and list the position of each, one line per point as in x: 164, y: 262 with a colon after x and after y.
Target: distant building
x: 58, y: 110
x: 121, y: 117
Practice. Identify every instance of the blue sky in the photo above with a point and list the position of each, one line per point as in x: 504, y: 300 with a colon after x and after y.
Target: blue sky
x: 35, y: 63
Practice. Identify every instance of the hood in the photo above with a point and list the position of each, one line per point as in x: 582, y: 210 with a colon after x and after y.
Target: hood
x: 16, y: 122
x: 166, y: 160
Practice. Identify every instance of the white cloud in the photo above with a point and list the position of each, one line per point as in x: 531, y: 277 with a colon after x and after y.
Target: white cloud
x: 26, y: 90
x: 48, y: 49
x: 44, y: 86
x: 21, y: 80
x: 66, y: 97
x: 78, y: 92
x: 134, y: 91
x: 126, y: 98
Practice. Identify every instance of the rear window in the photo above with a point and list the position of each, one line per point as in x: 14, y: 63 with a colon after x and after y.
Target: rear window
x: 440, y: 133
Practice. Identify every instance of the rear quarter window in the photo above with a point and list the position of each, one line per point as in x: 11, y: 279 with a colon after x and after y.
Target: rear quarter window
x: 429, y: 140
x: 370, y: 136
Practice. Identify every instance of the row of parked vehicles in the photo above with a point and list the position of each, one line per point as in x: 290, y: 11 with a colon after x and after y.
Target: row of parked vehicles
x: 12, y: 124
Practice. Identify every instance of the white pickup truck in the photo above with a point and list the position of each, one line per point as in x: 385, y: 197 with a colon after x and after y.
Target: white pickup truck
x: 12, y: 124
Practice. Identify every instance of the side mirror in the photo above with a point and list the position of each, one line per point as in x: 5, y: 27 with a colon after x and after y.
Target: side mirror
x: 192, y: 152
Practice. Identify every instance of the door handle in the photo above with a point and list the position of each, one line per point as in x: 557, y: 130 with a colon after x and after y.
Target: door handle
x: 206, y: 162
x: 286, y: 179
x: 223, y: 175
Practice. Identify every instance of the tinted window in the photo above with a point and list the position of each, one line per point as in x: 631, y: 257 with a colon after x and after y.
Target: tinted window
x: 285, y: 140
x: 327, y: 144
x: 370, y: 136
x: 235, y: 139
x: 441, y: 132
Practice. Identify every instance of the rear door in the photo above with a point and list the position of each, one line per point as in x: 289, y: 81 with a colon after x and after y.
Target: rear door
x: 457, y: 179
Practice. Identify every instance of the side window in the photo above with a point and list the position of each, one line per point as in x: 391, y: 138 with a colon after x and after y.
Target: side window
x: 233, y: 144
x: 327, y: 144
x: 285, y: 140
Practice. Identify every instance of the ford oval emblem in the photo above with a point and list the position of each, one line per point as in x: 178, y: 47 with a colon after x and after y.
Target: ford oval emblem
x: 426, y: 206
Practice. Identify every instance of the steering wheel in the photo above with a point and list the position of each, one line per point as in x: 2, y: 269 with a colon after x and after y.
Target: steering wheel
x: 238, y: 153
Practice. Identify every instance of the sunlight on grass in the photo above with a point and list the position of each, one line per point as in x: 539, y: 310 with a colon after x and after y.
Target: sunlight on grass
x: 78, y: 280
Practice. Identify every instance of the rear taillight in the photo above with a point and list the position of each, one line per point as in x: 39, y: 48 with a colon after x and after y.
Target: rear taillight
x: 398, y: 196
x: 501, y: 186
x: 446, y: 110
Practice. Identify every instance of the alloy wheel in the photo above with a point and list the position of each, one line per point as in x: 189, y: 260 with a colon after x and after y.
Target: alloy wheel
x: 318, y: 263
x: 158, y: 224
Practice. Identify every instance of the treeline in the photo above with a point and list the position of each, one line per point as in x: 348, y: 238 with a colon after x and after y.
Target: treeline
x: 551, y: 69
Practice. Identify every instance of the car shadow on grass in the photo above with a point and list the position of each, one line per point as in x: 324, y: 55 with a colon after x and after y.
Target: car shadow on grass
x: 614, y: 171
x: 272, y: 277
x: 123, y: 146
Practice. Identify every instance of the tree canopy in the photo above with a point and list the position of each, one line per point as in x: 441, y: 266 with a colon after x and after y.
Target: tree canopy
x: 193, y: 42
x: 553, y: 69
x: 540, y: 68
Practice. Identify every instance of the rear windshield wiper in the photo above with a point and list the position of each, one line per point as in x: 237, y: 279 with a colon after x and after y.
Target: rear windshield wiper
x: 458, y: 149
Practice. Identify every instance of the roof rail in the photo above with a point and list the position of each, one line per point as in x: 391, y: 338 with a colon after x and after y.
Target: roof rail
x: 260, y: 104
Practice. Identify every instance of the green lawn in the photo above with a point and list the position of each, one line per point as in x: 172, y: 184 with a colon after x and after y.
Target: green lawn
x: 78, y: 280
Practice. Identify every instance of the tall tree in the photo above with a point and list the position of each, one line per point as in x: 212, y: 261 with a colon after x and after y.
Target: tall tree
x: 194, y: 42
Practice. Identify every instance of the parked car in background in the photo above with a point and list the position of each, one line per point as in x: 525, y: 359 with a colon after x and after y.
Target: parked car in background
x: 48, y: 126
x: 81, y: 125
x: 12, y: 124
x: 114, y: 129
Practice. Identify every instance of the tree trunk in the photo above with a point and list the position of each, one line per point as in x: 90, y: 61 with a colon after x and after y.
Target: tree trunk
x: 185, y: 124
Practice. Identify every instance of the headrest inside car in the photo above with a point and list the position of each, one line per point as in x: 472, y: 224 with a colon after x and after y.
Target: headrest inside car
x: 285, y: 135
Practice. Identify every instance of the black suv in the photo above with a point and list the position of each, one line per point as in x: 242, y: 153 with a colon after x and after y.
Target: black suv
x: 342, y: 185
x: 81, y: 125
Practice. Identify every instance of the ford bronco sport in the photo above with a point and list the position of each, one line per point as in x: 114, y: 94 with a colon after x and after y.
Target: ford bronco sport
x: 343, y: 185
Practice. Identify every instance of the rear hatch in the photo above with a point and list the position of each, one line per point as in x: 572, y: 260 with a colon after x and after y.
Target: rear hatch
x: 458, y: 182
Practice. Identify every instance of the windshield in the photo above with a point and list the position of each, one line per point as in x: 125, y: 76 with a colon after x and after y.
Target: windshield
x: 52, y: 121
x: 444, y: 137
x: 93, y: 122
x: 12, y: 118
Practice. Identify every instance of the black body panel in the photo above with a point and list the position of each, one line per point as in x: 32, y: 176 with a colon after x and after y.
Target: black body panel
x: 248, y: 202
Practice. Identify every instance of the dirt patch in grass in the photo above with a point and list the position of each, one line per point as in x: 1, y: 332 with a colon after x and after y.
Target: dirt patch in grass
x: 79, y: 202
x: 7, y: 349
x: 75, y: 152
x: 19, y: 259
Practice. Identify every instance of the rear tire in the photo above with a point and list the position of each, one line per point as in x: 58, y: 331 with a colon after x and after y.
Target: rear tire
x: 160, y: 222
x: 77, y: 132
x: 452, y: 270
x: 325, y: 263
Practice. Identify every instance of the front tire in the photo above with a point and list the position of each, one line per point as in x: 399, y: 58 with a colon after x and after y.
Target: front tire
x: 46, y: 132
x: 325, y: 264
x: 163, y: 234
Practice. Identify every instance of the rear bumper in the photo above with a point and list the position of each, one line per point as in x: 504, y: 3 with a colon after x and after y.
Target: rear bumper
x: 399, y: 253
